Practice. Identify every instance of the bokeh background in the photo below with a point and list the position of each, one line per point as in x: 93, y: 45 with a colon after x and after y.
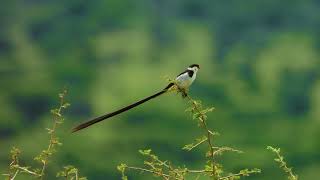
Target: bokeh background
x: 259, y: 69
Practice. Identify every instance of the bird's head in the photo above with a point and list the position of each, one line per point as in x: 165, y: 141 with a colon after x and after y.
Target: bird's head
x: 194, y: 67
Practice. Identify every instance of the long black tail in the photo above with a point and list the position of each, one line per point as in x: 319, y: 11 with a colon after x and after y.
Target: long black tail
x: 109, y: 115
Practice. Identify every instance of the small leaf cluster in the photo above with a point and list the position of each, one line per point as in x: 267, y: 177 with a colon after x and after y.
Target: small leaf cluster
x: 155, y: 166
x: 70, y: 172
x: 282, y: 163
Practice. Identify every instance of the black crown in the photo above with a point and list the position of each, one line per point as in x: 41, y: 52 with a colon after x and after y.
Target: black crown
x: 194, y: 65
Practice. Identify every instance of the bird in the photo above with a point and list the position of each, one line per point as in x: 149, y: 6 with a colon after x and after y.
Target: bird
x: 182, y: 83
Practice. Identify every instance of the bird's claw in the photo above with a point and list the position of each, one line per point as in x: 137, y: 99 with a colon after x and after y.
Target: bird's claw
x: 184, y: 92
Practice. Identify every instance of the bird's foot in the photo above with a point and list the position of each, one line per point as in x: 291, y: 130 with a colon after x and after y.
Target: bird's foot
x: 184, y: 92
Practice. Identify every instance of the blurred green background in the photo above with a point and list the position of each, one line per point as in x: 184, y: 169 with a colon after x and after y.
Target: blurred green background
x: 259, y: 68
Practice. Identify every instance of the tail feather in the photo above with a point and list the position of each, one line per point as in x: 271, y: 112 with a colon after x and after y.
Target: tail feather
x: 109, y: 115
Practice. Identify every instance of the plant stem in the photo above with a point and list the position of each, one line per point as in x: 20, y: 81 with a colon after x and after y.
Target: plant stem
x: 28, y: 171
x: 166, y: 176
x: 208, y: 132
x: 56, y: 117
x: 15, y: 174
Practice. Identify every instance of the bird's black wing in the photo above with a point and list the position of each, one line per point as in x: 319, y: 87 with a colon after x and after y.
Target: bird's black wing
x: 190, y: 73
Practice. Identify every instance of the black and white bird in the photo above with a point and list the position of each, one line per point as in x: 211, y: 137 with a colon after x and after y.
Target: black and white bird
x: 182, y: 82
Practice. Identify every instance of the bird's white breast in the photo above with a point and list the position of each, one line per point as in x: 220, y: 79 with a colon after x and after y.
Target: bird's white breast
x: 184, y: 80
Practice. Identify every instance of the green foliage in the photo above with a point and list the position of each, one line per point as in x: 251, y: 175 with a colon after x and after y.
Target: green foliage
x: 259, y: 66
x: 211, y: 168
x: 44, y: 157
x: 70, y: 172
x: 282, y: 163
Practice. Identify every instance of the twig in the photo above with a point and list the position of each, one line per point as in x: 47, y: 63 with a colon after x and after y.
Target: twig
x: 197, y: 171
x: 208, y: 132
x: 197, y: 144
x: 27, y: 170
x: 245, y: 172
x: 15, y: 174
x: 282, y: 163
x: 230, y: 176
x: 166, y: 176
x: 52, y: 140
